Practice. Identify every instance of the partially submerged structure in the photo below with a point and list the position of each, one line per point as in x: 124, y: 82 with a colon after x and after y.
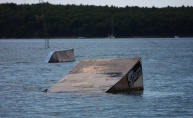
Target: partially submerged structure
x: 60, y: 56
x: 103, y: 75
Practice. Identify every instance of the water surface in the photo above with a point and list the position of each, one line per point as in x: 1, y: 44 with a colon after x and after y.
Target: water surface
x: 167, y: 70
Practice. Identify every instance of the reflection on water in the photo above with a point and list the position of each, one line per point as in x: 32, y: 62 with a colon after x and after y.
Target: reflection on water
x: 167, y: 69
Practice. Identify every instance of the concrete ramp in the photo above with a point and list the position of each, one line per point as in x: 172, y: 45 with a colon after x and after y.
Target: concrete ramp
x: 60, y: 56
x: 103, y: 75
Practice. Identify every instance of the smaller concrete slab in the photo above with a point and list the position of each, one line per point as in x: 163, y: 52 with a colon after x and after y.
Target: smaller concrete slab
x: 103, y: 75
x: 60, y: 56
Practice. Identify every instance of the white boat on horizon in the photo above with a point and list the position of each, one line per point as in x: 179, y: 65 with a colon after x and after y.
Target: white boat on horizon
x: 111, y: 36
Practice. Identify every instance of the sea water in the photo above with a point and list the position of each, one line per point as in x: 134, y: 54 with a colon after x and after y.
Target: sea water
x: 167, y: 72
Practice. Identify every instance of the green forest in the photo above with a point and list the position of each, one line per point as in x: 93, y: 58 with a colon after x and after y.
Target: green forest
x: 20, y: 21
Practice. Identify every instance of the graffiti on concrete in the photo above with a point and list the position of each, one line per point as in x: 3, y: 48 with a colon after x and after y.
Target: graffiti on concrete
x: 134, y: 74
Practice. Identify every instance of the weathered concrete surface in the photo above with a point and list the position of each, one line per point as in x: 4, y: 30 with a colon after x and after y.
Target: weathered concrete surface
x: 103, y: 75
x: 60, y: 56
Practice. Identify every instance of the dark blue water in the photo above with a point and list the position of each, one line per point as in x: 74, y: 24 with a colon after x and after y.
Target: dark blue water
x: 167, y: 69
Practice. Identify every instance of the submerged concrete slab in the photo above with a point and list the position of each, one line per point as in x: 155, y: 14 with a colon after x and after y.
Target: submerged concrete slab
x: 103, y: 75
x: 60, y: 56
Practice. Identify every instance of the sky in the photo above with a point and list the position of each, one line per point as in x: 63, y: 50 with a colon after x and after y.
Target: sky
x: 118, y: 3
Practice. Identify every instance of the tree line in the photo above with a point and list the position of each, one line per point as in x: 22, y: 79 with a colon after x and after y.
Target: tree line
x: 19, y: 21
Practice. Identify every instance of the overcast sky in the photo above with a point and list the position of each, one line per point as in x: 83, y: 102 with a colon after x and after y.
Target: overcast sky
x: 119, y: 3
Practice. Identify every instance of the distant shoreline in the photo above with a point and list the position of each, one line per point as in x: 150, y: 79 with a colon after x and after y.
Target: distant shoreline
x: 85, y: 21
x: 93, y: 37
